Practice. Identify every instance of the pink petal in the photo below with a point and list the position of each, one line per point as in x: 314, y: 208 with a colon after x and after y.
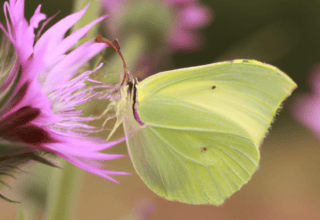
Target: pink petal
x: 54, y: 35
x: 82, y: 146
x: 88, y: 167
x: 6, y: 7
x: 24, y: 39
x: 72, y: 150
x: 20, y: 31
x: 307, y: 110
x: 64, y: 70
x: 17, y: 9
x: 69, y: 41
x: 194, y: 16
x: 37, y: 18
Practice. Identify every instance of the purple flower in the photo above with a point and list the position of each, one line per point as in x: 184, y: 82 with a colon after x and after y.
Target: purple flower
x: 188, y: 16
x: 41, y: 111
x: 306, y: 107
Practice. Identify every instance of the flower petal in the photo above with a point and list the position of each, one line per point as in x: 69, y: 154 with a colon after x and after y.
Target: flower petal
x: 37, y: 18
x: 88, y: 167
x: 51, y: 39
x: 68, y: 42
x: 66, y: 68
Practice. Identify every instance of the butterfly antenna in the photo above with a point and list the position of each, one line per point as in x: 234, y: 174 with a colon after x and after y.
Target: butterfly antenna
x: 116, y: 45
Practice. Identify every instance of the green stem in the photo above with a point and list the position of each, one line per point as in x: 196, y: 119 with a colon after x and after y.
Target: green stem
x: 64, y: 191
x: 20, y: 215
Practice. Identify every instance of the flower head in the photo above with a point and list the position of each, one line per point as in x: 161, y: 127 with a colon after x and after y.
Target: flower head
x: 41, y: 111
x: 306, y: 108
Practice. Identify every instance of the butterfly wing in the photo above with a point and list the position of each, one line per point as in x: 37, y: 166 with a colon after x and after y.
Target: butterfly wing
x: 203, y: 128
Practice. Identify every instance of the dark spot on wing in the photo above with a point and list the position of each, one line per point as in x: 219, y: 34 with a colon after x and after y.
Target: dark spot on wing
x: 245, y: 61
x: 203, y: 149
x: 213, y: 87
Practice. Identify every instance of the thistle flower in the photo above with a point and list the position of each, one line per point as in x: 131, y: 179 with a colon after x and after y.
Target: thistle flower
x: 40, y: 113
x: 306, y: 107
x: 187, y: 16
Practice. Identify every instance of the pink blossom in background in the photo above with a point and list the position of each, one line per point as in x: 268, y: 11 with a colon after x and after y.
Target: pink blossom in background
x: 41, y: 112
x: 306, y: 107
x: 189, y: 16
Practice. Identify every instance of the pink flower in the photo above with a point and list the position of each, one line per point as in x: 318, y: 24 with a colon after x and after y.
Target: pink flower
x: 41, y: 111
x: 306, y: 107
x: 188, y: 16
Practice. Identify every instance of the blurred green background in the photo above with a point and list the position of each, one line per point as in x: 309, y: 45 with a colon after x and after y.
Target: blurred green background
x: 280, y: 32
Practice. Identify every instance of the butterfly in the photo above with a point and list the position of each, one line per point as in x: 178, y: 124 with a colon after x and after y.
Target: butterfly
x: 196, y: 132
